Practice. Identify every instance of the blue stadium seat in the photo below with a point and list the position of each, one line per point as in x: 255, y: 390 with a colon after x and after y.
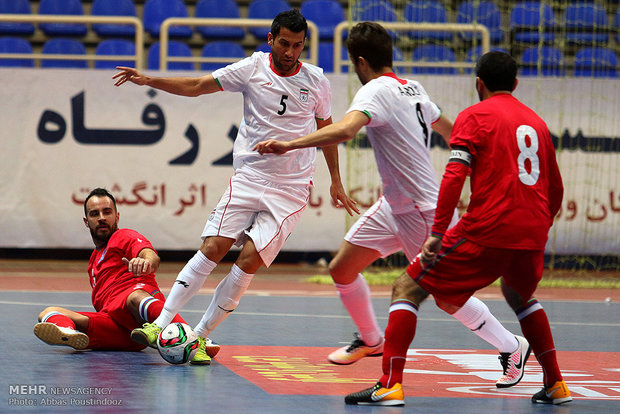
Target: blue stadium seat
x: 427, y: 11
x: 551, y: 61
x: 265, y: 9
x: 374, y: 10
x: 475, y: 52
x: 114, y: 8
x: 433, y: 53
x: 598, y: 62
x: 219, y: 9
x: 525, y: 22
x: 10, y: 44
x: 156, y: 11
x: 483, y: 12
x: 175, y: 48
x: 326, y: 57
x: 327, y: 14
x: 15, y: 7
x: 115, y: 47
x: 221, y: 48
x: 586, y: 24
x: 66, y: 7
x: 398, y: 56
x: 64, y: 47
x: 263, y: 47
x: 617, y: 24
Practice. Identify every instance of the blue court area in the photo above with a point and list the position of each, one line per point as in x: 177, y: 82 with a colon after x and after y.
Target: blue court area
x: 273, y: 360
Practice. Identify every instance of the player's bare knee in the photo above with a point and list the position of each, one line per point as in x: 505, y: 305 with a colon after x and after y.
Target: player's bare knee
x: 134, y: 298
x: 215, y: 247
x: 339, y: 273
x: 249, y: 260
x: 514, y: 300
x: 406, y: 288
x: 48, y: 310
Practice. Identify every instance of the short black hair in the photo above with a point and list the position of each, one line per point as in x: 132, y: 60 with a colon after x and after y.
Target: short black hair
x: 292, y: 19
x: 99, y: 192
x: 372, y: 42
x: 498, y: 71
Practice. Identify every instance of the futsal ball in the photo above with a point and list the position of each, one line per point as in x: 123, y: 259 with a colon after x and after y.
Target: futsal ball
x: 177, y: 343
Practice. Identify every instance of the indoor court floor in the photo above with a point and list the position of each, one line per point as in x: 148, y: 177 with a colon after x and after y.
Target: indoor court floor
x: 274, y: 348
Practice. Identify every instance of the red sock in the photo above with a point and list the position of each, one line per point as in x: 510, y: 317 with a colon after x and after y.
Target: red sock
x: 150, y: 308
x: 536, y: 329
x: 59, y: 319
x: 399, y: 333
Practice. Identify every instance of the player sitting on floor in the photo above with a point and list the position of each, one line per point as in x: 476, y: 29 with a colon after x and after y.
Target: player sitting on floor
x: 125, y: 294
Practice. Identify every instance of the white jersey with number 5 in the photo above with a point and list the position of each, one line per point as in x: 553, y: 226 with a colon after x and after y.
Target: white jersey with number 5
x: 276, y: 107
x: 399, y: 130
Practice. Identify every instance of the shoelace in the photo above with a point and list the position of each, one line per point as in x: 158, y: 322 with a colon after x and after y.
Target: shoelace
x: 356, y: 344
x: 504, y: 359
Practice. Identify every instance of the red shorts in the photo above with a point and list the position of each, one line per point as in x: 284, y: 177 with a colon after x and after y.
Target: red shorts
x: 463, y: 267
x: 109, y: 328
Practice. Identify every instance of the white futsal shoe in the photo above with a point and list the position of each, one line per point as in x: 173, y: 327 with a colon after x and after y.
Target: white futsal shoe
x: 355, y: 351
x: 58, y: 335
x: 514, y: 364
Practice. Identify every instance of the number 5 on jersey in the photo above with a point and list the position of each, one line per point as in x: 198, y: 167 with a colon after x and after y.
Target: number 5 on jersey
x: 283, y: 105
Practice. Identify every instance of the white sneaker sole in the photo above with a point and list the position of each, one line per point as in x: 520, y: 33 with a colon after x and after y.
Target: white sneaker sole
x: 53, y: 335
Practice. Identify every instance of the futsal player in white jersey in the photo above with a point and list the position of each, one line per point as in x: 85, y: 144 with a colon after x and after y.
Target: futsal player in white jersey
x: 283, y: 98
x: 398, y: 115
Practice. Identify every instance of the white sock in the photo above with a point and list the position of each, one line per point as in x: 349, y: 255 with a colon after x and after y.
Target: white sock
x: 188, y: 283
x: 225, y: 300
x: 356, y: 299
x: 477, y: 317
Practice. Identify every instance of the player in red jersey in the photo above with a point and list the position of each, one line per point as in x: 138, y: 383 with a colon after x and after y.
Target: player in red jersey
x: 516, y: 191
x: 122, y: 275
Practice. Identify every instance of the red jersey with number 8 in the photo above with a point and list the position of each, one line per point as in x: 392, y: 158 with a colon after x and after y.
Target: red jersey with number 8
x: 516, y: 187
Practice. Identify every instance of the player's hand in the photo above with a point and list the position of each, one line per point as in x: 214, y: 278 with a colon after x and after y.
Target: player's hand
x: 138, y: 266
x: 431, y: 247
x: 129, y: 74
x: 341, y: 199
x: 272, y: 146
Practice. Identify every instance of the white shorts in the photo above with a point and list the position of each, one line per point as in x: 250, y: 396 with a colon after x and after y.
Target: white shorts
x: 261, y: 210
x: 381, y: 230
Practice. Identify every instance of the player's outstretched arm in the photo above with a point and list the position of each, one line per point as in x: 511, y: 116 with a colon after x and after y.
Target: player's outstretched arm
x: 184, y: 86
x: 329, y: 134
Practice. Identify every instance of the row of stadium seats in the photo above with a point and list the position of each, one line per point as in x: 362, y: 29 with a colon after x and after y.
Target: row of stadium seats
x: 582, y: 22
x: 589, y: 61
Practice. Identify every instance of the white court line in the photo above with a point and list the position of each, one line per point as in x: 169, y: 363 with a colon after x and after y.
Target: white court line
x: 306, y: 315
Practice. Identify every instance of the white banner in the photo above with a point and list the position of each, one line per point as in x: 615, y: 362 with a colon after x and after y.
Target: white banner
x: 168, y: 158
